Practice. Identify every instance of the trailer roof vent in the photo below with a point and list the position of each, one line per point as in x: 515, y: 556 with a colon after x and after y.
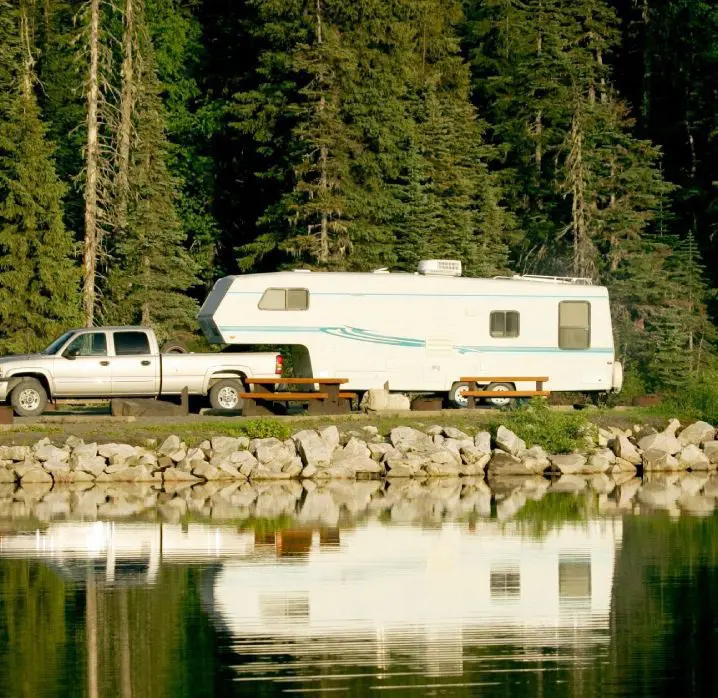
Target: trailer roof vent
x: 440, y: 267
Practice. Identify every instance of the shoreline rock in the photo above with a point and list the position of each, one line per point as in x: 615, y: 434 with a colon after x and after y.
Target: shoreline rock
x: 327, y: 454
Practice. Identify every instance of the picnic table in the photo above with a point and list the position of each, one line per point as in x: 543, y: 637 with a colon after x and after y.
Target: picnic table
x: 329, y: 399
x: 478, y: 392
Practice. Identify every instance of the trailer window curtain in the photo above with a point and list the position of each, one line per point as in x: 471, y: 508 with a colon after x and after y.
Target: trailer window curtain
x: 574, y: 325
x: 504, y: 323
x: 285, y: 299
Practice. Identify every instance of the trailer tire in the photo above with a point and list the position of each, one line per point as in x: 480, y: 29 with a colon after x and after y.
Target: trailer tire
x: 28, y: 398
x: 224, y: 395
x: 455, y: 396
x: 500, y: 401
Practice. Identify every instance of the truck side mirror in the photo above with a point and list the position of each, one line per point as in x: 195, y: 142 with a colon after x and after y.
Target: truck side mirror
x: 71, y: 353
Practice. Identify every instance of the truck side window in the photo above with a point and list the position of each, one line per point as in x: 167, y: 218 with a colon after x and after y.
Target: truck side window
x: 88, y: 344
x: 284, y: 299
x: 504, y: 323
x: 131, y: 343
x: 574, y: 325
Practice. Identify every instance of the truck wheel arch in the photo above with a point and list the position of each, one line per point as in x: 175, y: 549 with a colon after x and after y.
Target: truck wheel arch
x: 215, y: 375
x: 17, y: 378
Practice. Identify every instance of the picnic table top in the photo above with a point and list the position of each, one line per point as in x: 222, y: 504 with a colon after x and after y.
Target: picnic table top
x: 296, y: 381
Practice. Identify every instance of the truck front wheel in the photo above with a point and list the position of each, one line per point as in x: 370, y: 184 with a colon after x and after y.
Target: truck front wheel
x: 225, y: 395
x: 29, y: 398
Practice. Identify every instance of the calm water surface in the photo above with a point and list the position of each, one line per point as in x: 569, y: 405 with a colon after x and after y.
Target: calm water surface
x: 445, y: 588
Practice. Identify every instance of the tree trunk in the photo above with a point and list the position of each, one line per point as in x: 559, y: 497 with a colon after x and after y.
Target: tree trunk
x: 28, y: 59
x: 91, y: 243
x: 323, y: 166
x: 126, y: 109
x: 582, y: 244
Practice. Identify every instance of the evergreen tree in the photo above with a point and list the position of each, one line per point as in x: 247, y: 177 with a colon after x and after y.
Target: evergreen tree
x: 150, y: 270
x: 38, y: 276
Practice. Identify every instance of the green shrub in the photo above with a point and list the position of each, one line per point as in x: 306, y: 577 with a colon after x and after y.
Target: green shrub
x: 538, y: 425
x: 697, y: 398
x: 263, y: 429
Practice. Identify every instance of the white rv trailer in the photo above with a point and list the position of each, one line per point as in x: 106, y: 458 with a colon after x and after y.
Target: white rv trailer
x: 421, y: 332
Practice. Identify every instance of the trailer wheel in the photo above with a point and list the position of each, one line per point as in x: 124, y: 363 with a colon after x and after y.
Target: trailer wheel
x: 499, y: 401
x: 28, y: 398
x: 456, y: 395
x: 224, y: 395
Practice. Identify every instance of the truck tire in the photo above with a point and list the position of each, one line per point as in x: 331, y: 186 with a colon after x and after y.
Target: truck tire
x: 28, y: 398
x: 172, y: 347
x: 456, y: 395
x: 224, y: 395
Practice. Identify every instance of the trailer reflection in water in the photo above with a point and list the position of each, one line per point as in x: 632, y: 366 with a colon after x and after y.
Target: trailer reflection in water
x: 307, y: 603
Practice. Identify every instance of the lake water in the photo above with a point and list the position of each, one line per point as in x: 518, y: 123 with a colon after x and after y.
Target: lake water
x: 440, y: 588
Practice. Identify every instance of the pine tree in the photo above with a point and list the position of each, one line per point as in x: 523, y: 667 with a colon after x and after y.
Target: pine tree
x: 38, y: 276
x: 150, y: 270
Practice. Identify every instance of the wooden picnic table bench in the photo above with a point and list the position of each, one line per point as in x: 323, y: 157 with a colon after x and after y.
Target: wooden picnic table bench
x: 477, y: 392
x: 328, y: 400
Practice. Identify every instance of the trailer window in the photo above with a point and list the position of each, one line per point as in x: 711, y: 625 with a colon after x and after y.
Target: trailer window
x: 504, y: 323
x: 284, y: 299
x: 574, y: 325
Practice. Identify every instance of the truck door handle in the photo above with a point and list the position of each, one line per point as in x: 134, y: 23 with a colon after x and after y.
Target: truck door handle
x: 104, y: 363
x: 146, y: 363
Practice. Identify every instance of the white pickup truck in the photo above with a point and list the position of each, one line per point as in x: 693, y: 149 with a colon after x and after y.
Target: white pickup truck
x: 107, y: 362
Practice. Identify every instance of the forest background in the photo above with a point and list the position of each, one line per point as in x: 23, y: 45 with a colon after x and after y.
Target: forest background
x: 148, y: 147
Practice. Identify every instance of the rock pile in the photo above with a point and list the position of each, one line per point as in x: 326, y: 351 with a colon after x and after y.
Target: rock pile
x: 326, y: 455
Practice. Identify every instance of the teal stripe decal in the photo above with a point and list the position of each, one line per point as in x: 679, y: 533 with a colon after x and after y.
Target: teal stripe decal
x: 359, y: 335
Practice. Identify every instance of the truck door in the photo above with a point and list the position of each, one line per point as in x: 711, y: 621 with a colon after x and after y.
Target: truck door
x: 83, y: 369
x: 135, y: 370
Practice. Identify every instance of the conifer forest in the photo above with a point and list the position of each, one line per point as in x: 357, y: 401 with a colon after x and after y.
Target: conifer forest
x: 149, y: 147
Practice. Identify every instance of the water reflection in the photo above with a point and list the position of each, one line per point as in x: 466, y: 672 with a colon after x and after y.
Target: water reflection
x: 452, y: 587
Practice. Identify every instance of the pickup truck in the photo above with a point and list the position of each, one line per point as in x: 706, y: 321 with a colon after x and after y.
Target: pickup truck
x: 108, y: 362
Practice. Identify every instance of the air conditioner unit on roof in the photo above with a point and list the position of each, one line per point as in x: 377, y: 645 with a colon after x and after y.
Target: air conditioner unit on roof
x: 440, y: 267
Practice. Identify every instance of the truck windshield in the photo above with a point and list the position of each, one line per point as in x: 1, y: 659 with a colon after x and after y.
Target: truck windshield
x: 55, y: 346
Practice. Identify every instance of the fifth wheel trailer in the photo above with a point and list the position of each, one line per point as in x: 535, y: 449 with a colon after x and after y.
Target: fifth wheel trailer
x: 421, y: 332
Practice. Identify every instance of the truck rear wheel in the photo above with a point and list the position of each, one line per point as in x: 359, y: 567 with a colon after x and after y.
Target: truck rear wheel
x: 225, y: 395
x: 28, y: 398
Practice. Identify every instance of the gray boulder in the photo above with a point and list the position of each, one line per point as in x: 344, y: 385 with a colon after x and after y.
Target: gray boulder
x: 14, y: 453
x: 48, y: 452
x: 453, y: 433
x: 625, y: 450
x: 482, y: 441
x: 170, y: 445
x: 663, y: 441
x: 697, y: 433
x: 312, y: 448
x: 503, y: 463
x: 535, y: 459
x: 656, y: 460
x: 692, y: 457
x: 224, y: 444
x: 710, y: 448
x: 403, y: 466
x: 330, y: 436
x: 380, y: 451
x: 410, y: 440
x: 34, y: 475
x: 569, y: 463
x: 507, y: 441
